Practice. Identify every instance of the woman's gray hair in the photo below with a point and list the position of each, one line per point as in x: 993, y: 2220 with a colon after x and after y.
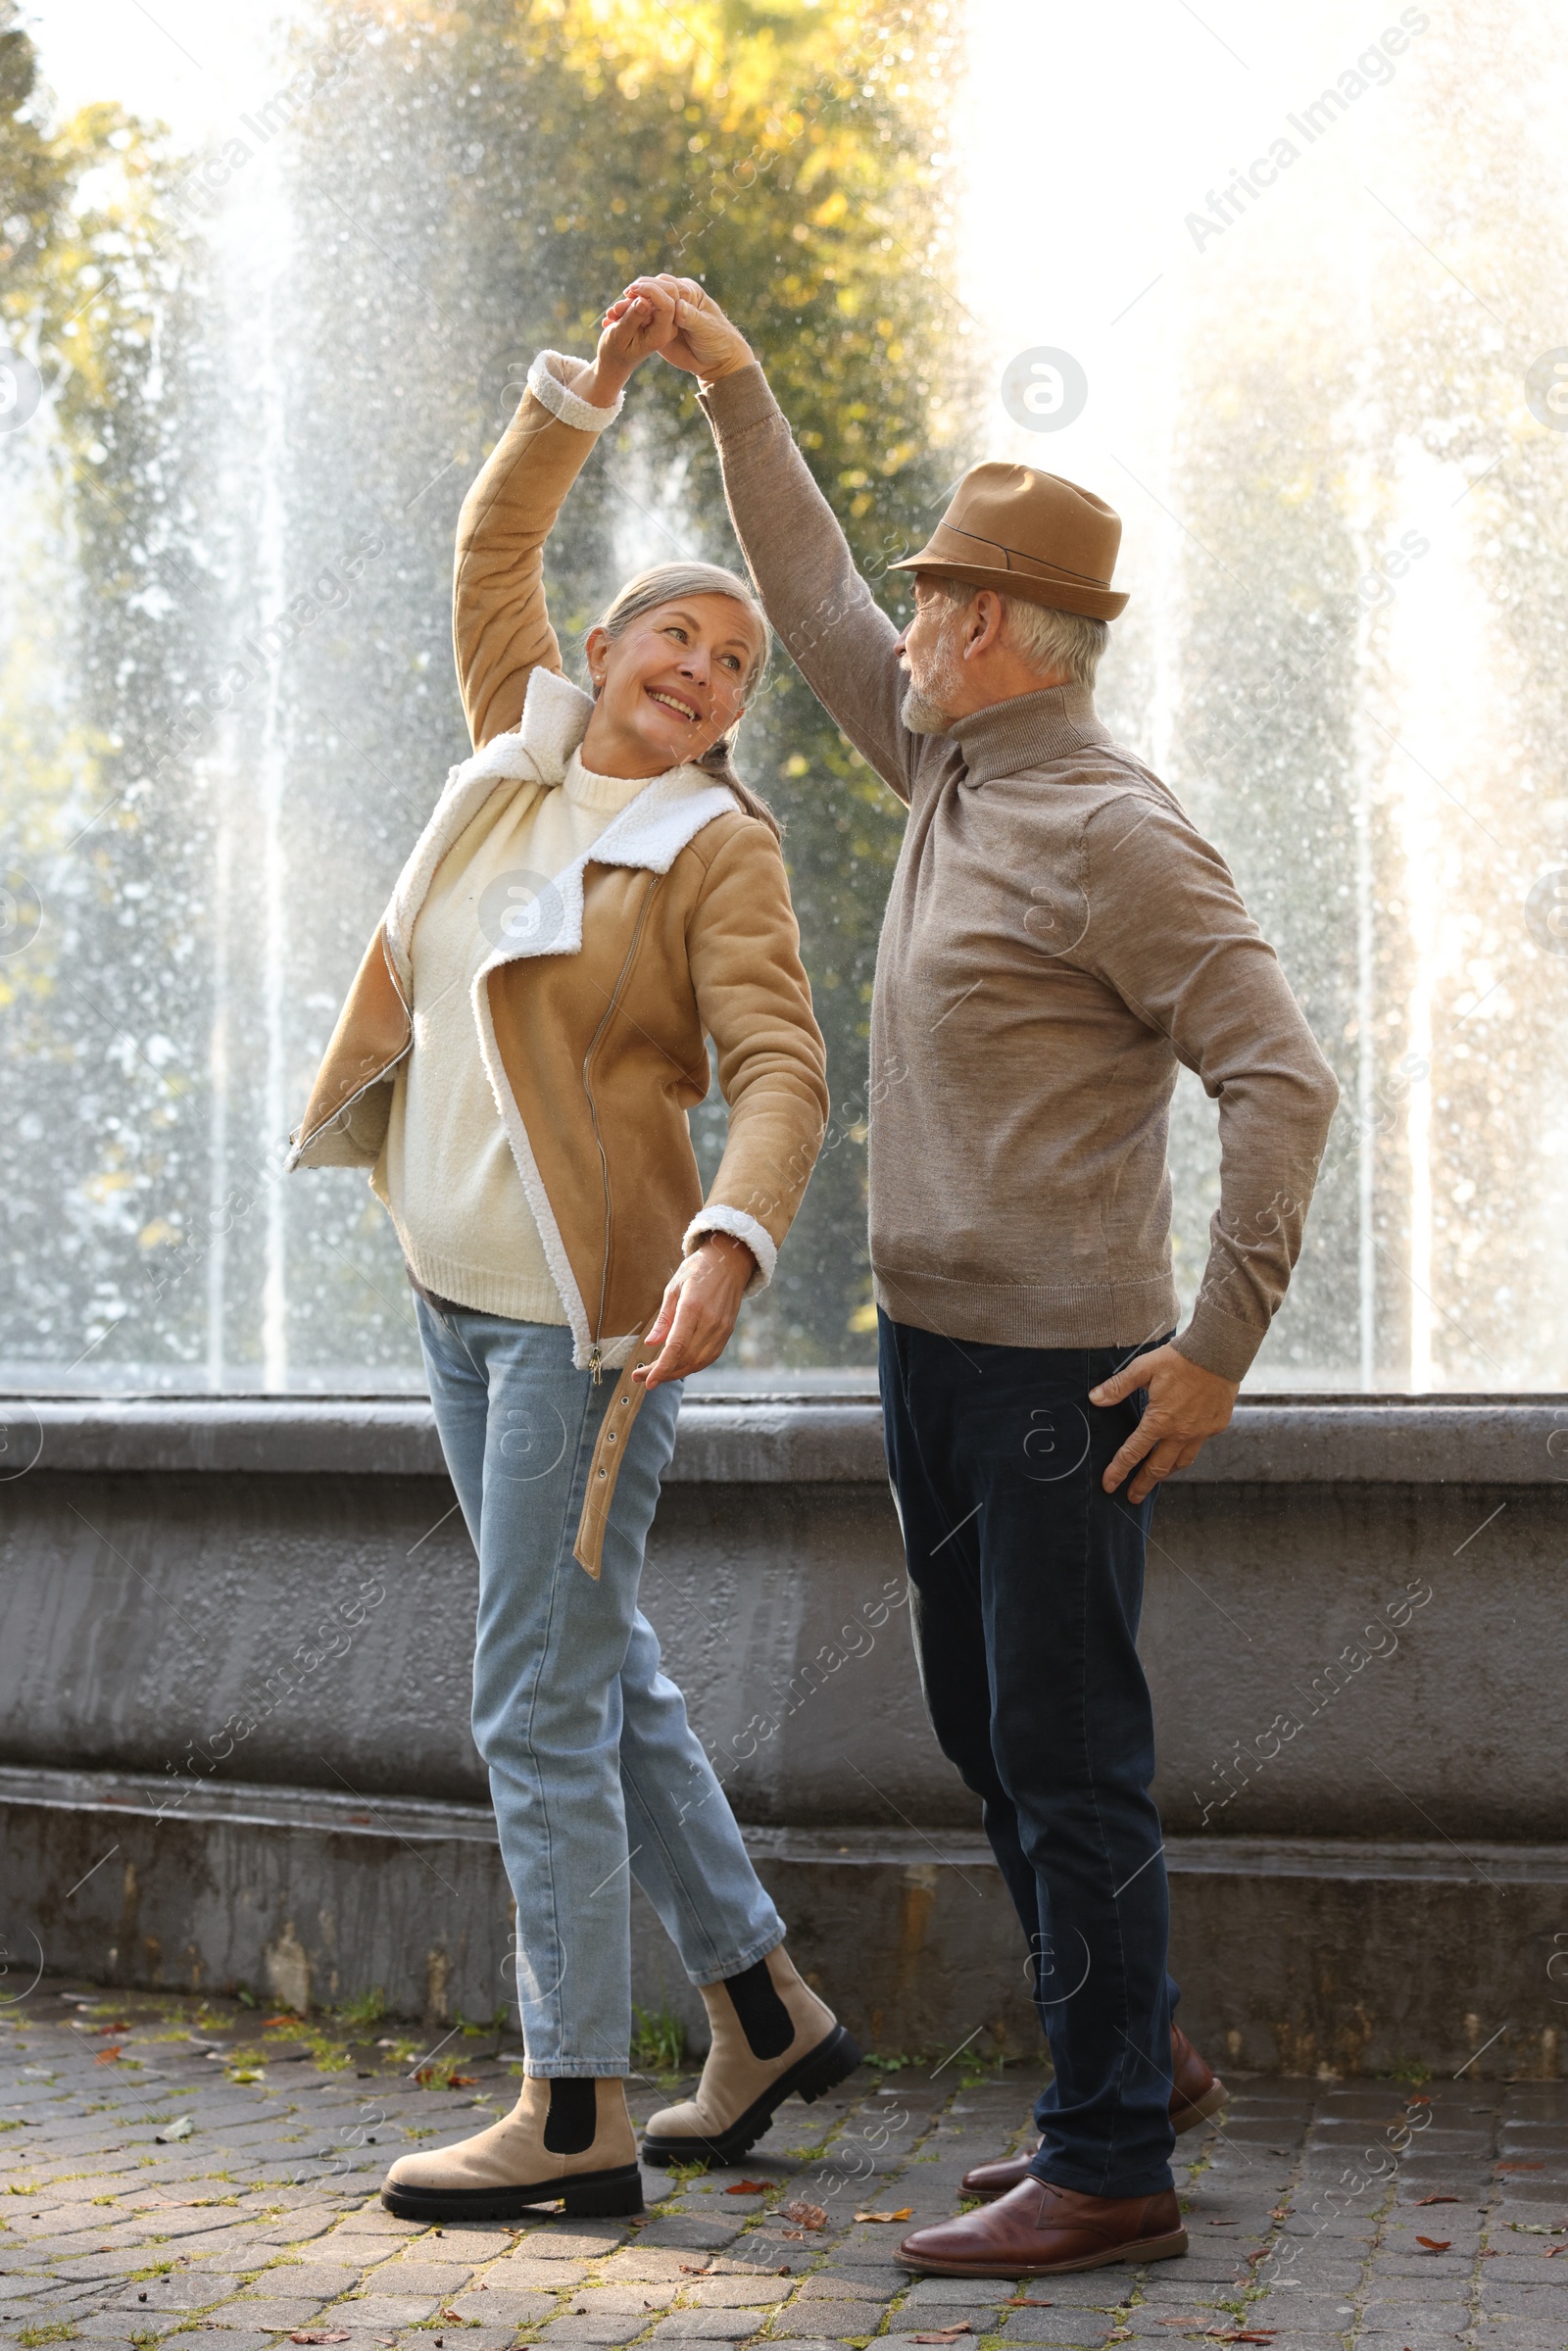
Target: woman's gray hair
x: 668, y: 583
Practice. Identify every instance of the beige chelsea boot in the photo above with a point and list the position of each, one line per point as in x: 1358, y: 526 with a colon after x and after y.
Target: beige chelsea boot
x: 773, y: 2039
x: 571, y: 2139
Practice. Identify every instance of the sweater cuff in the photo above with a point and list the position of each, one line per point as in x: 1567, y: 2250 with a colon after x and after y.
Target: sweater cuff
x: 544, y: 382
x: 1218, y: 1343
x: 716, y: 1218
x: 738, y: 401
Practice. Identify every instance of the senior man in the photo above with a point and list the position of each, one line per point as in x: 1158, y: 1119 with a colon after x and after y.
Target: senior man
x: 1057, y: 938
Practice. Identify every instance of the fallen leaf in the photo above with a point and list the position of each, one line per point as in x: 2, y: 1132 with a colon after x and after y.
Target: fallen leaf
x: 809, y: 2216
x: 281, y: 2019
x: 108, y: 2056
x: 124, y: 2026
x: 792, y: 2232
x: 693, y: 2269
x: 1549, y: 2250
x: 1279, y: 2212
x: 455, y: 2315
x: 1027, y: 2302
x: 905, y: 2213
x: 182, y: 2128
x: 1418, y: 2098
x: 1436, y: 2200
x: 1261, y: 2254
x: 749, y: 2187
x: 1224, y: 2224
x: 1437, y: 2244
x: 320, y: 2334
x: 1520, y: 2167
x: 944, y: 2334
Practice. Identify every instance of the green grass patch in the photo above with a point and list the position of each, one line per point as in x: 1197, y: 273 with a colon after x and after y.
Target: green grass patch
x: 62, y: 2331
x: 658, y: 2042
x: 367, y: 2009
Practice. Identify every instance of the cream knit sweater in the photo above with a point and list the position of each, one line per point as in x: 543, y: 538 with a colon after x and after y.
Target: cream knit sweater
x: 446, y: 1173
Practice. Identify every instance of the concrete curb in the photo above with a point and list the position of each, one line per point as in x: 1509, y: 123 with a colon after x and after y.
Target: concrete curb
x: 791, y: 1441
x: 1297, y: 1954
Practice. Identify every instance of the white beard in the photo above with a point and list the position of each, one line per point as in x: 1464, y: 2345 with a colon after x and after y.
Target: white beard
x: 927, y: 701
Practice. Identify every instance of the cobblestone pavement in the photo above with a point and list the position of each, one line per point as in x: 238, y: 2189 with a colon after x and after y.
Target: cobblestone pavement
x: 174, y: 2165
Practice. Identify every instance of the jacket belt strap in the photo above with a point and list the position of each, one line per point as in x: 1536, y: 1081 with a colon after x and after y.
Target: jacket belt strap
x: 608, y: 1453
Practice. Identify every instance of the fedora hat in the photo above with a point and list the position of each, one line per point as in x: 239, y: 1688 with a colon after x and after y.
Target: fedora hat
x: 1029, y: 534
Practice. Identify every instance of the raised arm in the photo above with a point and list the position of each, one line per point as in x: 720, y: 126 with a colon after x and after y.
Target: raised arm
x: 820, y: 605
x: 499, y: 628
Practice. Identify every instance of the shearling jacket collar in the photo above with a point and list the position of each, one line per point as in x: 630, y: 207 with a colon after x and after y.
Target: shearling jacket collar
x: 649, y: 833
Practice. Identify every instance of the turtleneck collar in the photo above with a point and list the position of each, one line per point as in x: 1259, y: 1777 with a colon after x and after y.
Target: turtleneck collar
x: 609, y: 794
x: 1029, y: 731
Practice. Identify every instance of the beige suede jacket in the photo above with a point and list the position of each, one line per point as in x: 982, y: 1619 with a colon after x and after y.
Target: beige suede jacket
x: 676, y: 927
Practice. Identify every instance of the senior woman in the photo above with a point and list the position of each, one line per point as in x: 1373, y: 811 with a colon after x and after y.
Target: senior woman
x: 595, y: 897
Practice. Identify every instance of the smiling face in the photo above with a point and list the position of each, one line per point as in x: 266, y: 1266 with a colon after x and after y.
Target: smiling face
x: 670, y: 685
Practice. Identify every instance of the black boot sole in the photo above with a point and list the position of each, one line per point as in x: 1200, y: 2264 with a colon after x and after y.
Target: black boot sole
x: 821, y: 2070
x: 586, y: 2196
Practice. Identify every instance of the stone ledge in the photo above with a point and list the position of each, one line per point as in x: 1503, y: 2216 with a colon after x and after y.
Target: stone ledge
x: 416, y: 1819
x: 785, y: 1440
x: 1293, y: 1955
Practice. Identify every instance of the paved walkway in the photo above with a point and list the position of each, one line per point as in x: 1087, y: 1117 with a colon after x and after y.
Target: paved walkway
x: 172, y: 2167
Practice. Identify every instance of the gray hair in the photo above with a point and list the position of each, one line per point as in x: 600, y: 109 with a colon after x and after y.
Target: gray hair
x: 1042, y: 636
x: 667, y: 583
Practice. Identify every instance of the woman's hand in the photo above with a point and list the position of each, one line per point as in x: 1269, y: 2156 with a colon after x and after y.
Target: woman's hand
x: 698, y: 1311
x: 631, y: 333
x: 697, y: 336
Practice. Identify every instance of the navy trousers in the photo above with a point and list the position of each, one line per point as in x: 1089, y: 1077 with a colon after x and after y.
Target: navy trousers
x: 1027, y: 1581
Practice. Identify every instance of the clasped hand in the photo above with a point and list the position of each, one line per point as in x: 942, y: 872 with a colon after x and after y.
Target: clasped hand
x: 669, y: 315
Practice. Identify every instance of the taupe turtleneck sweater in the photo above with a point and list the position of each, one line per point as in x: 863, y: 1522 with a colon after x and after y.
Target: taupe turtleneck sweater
x: 1057, y: 936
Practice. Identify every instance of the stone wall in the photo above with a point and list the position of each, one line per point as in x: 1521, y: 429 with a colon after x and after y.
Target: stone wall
x: 237, y: 1648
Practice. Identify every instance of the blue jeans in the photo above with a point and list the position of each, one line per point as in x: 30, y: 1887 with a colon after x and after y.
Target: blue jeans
x: 595, y: 1773
x: 1027, y: 1585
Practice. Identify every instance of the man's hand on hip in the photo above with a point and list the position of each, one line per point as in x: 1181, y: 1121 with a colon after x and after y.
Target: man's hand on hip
x: 1186, y: 1407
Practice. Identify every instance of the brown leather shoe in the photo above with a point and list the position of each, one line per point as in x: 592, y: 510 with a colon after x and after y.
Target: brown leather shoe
x: 1037, y: 2230
x: 1196, y: 2093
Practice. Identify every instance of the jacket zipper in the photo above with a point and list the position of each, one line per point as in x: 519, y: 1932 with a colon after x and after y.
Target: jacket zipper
x: 596, y: 1364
